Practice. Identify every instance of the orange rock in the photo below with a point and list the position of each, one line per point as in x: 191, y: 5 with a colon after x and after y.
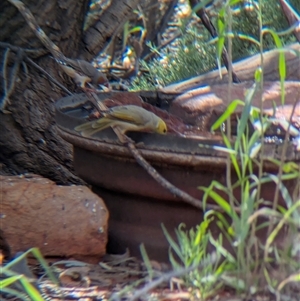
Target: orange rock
x: 59, y: 220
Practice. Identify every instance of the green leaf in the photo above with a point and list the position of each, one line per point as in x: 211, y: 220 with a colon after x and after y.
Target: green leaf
x: 227, y: 113
x: 248, y: 38
x: 245, y: 113
x: 233, y: 157
x: 125, y: 34
x: 31, y: 290
x: 10, y: 280
x: 237, y: 283
x: 13, y: 292
x: 28, y: 287
x: 258, y: 75
x: 292, y: 278
x: 136, y: 29
x: 221, y: 250
x: 281, y: 62
x: 279, y: 226
x: 235, y: 2
x: 284, y: 191
x: 219, y: 200
x: 287, y: 167
x: 171, y: 241
x: 146, y: 261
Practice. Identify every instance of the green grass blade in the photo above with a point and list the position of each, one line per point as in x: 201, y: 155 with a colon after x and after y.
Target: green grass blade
x: 278, y: 227
x: 219, y: 200
x: 31, y: 290
x: 15, y: 293
x: 146, y: 261
x: 227, y: 113
x: 171, y: 241
x: 10, y: 280
x: 245, y: 113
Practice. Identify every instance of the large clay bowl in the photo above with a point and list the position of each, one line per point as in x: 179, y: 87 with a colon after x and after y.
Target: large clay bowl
x: 137, y: 203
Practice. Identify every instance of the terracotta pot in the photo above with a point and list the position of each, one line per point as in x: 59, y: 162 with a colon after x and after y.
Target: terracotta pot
x: 137, y: 203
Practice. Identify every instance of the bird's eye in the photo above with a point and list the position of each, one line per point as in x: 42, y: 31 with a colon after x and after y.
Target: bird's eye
x: 165, y: 130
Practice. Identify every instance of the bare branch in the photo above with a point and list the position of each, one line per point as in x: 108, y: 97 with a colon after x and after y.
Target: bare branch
x: 201, y: 13
x: 30, y: 61
x: 8, y: 85
x: 35, y: 52
x: 166, y: 184
x: 152, y: 171
x: 29, y: 18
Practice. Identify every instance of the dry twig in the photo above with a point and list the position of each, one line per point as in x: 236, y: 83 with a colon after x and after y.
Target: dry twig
x: 21, y: 58
x: 29, y: 18
x: 100, y: 106
x: 30, y: 61
x: 41, y: 35
x: 8, y: 85
x: 160, y: 179
x: 201, y: 13
x: 167, y: 277
x: 33, y: 52
x: 292, y: 17
x: 163, y: 45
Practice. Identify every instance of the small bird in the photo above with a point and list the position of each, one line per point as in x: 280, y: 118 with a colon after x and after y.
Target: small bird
x: 125, y: 118
x: 83, y: 73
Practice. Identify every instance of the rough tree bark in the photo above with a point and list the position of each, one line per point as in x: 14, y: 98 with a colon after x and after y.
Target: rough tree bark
x: 28, y: 138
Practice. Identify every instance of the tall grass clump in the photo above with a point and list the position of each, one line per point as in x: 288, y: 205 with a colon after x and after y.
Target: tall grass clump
x: 263, y: 234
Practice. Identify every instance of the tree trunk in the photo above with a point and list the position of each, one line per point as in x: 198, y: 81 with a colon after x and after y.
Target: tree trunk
x: 29, y: 141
